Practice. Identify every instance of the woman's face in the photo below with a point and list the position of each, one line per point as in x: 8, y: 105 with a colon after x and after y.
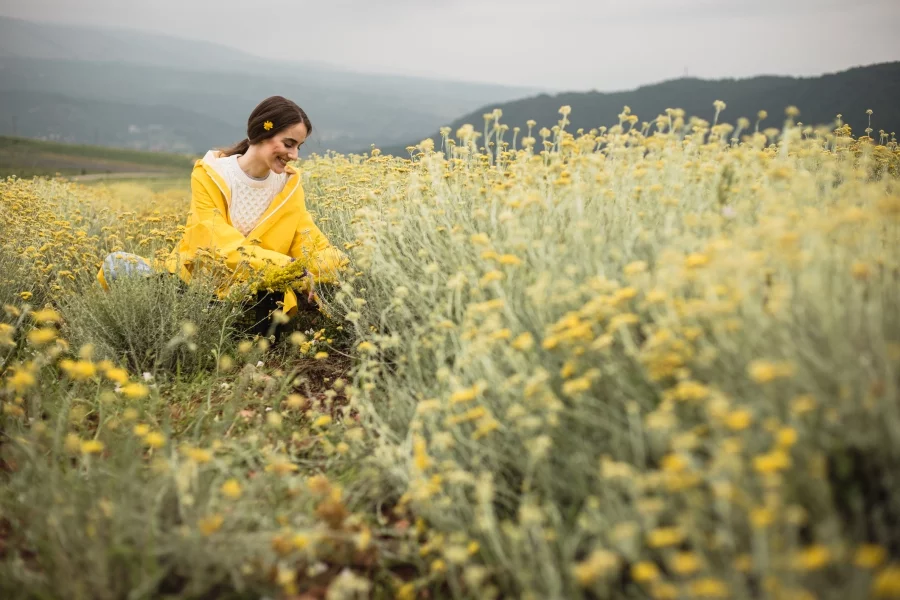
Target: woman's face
x: 282, y: 148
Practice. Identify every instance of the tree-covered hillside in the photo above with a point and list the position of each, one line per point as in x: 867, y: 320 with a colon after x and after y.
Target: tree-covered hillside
x: 850, y: 93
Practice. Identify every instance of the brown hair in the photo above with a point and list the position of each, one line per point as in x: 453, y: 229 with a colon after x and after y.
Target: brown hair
x: 277, y: 110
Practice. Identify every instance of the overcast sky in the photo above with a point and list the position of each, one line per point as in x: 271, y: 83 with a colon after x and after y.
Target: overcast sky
x: 567, y: 45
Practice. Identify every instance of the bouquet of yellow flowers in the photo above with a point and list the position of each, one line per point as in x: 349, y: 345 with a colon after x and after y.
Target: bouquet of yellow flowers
x: 294, y: 276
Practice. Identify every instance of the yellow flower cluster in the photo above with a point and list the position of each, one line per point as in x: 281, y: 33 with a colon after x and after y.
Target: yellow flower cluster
x: 293, y: 276
x: 62, y: 231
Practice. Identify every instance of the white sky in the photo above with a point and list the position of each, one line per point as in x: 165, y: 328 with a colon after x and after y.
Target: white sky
x: 567, y: 44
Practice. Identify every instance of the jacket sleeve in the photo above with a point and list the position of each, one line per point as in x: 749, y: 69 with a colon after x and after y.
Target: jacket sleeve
x: 309, y: 243
x: 209, y: 230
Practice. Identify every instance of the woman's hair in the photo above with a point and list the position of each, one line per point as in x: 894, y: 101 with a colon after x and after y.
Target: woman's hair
x: 278, y: 111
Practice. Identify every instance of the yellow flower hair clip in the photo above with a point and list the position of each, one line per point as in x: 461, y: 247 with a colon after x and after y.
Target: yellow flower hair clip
x: 268, y: 125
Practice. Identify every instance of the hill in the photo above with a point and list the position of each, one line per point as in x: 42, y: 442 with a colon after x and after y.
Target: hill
x: 819, y: 99
x: 55, y: 117
x: 349, y: 110
x: 27, y: 158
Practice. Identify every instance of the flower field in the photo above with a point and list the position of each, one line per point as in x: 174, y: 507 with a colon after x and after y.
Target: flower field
x: 655, y: 360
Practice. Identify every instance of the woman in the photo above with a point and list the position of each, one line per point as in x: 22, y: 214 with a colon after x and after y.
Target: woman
x: 248, y: 209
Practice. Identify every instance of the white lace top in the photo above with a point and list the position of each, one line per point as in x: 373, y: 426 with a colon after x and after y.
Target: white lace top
x: 250, y: 197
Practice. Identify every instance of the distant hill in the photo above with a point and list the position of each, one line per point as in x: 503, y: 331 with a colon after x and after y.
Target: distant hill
x: 349, y: 110
x: 819, y: 99
x: 216, y: 105
x: 60, y: 118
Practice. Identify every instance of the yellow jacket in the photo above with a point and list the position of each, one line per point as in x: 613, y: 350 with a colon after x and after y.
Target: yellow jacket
x: 285, y: 230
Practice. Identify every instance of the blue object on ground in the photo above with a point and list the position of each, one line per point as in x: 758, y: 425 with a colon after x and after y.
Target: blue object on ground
x: 124, y: 264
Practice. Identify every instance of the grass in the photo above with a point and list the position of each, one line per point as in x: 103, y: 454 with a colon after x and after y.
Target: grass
x: 25, y: 157
x: 147, y: 184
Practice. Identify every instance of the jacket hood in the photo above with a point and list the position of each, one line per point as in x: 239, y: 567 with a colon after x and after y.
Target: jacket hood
x: 211, y: 161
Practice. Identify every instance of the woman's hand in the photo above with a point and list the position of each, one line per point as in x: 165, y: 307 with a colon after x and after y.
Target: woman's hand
x: 312, y: 282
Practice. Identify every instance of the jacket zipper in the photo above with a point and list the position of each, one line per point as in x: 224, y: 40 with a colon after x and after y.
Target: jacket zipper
x: 277, y: 208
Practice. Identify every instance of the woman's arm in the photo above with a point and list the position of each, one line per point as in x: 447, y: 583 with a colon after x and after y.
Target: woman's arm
x: 208, y: 229
x: 309, y: 243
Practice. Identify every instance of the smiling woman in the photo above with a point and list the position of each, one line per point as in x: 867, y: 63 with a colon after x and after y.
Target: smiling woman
x: 248, y: 209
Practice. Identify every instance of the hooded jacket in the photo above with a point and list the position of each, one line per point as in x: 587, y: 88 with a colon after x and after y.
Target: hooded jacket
x: 284, y: 231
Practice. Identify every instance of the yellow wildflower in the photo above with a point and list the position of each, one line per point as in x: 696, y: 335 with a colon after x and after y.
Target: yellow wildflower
x: 117, y: 375
x: 407, y: 591
x: 861, y: 271
x: 786, y: 437
x: 480, y: 239
x: 78, y: 370
x: 644, y: 571
x: 708, y: 587
x: 697, y: 260
x: 485, y: 426
x: 690, y: 390
x: 490, y: 277
x: 20, y: 381
x: 597, y: 565
x: 673, y: 463
x: 664, y: 591
x: 887, y: 583
x: 72, y: 443
x: 295, y: 401
x: 367, y: 346
x: 869, y: 556
x: 772, y: 462
x: 803, y: 404
x: 155, y: 439
x: 280, y: 466
x: 135, y: 391
x: 635, y: 268
x: 577, y: 386
x: 739, y: 420
x: 761, y: 517
x: 91, y: 447
x: 39, y: 337
x: 685, y: 563
x: 211, y: 524
x: 466, y: 394
x: 743, y: 563
x: 319, y: 484
x: 197, y: 455
x: 231, y: 489
x: 812, y: 558
x: 665, y: 536
x: 523, y: 341
x: 509, y: 259
x: 762, y: 371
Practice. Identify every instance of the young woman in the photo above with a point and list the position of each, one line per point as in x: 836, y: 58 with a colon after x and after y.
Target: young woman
x: 247, y: 207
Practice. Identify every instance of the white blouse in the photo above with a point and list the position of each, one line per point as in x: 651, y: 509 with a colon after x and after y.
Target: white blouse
x: 250, y: 196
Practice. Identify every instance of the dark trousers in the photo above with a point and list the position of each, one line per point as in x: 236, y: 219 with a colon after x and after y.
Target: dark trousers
x: 259, y: 314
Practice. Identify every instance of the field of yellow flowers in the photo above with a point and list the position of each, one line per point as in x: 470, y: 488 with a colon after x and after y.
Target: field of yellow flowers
x: 653, y: 360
